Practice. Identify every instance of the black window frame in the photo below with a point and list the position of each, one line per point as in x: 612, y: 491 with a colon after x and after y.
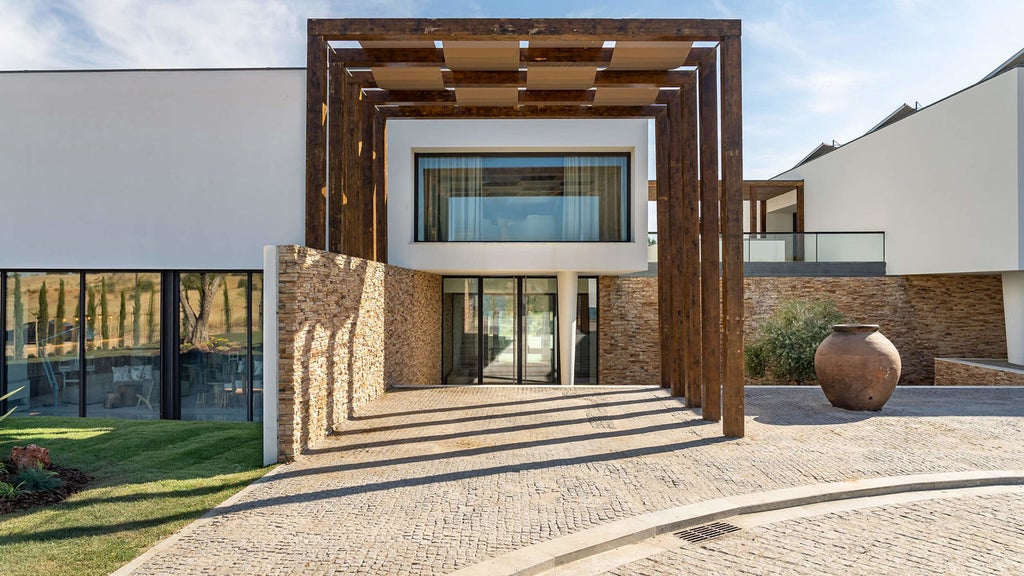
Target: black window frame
x: 627, y: 155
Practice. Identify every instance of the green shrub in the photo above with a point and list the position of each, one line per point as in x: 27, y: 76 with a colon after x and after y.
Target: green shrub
x: 37, y: 480
x: 784, y: 344
x: 8, y: 490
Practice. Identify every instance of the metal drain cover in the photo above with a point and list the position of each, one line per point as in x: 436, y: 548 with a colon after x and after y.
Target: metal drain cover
x: 706, y: 532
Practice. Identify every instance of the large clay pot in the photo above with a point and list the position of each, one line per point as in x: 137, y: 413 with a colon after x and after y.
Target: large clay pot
x: 857, y: 367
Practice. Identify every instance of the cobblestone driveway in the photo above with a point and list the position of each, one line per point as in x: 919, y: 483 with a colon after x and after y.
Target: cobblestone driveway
x: 430, y: 480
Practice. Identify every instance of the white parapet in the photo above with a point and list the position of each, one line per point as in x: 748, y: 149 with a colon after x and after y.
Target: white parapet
x: 270, y: 453
x: 568, y: 284
x: 1013, y: 312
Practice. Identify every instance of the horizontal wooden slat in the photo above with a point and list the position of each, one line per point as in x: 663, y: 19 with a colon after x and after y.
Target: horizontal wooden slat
x: 521, y: 112
x: 532, y: 97
x: 365, y: 57
x: 486, y: 79
x: 395, y: 29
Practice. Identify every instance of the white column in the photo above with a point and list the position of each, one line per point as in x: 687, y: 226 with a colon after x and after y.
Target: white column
x: 1013, y: 314
x: 568, y: 283
x: 270, y: 454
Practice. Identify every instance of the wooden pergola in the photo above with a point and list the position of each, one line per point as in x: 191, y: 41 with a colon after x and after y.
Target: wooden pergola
x: 362, y: 72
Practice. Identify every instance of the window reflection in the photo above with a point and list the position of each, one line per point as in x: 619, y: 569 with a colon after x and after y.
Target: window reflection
x: 41, y: 350
x: 214, y: 350
x: 122, y: 345
x: 522, y: 197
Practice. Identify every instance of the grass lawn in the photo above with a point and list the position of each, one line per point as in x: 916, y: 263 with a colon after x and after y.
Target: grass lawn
x: 151, y: 479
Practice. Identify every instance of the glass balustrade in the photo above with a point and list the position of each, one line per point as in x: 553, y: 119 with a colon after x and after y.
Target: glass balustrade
x: 802, y: 247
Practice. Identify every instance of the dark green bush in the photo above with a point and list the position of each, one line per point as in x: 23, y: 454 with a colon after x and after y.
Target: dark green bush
x: 37, y: 480
x: 784, y: 344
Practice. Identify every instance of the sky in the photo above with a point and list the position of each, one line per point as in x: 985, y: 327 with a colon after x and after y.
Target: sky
x: 813, y: 71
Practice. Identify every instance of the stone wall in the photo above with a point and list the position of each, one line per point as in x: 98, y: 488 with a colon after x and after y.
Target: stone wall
x: 347, y: 330
x: 924, y: 316
x: 950, y: 372
x: 627, y: 331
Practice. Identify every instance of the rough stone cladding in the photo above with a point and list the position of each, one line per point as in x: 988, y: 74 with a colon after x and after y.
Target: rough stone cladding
x: 627, y: 331
x: 348, y: 329
x: 952, y: 373
x: 925, y: 316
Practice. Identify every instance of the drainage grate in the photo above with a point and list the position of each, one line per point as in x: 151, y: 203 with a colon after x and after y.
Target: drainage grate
x: 706, y: 532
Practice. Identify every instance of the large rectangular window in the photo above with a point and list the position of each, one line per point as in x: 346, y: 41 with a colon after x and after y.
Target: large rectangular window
x: 522, y: 197
x: 102, y: 344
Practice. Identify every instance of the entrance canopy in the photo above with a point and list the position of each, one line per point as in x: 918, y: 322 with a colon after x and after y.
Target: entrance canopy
x: 681, y: 73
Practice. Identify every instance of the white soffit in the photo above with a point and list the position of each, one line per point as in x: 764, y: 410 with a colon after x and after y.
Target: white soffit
x: 566, y: 44
x: 408, y: 78
x: 612, y: 96
x: 487, y: 96
x: 649, y: 55
x: 482, y: 55
x: 375, y: 44
x: 560, y: 77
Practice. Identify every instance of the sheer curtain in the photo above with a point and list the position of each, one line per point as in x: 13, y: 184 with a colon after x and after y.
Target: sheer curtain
x: 451, y: 198
x: 582, y: 199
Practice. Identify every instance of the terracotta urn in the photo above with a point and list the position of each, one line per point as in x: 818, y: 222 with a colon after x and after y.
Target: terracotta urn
x: 857, y: 367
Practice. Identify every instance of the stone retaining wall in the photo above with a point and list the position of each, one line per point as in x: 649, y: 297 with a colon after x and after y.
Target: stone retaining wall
x: 957, y: 373
x: 925, y: 316
x: 348, y: 329
x: 627, y: 331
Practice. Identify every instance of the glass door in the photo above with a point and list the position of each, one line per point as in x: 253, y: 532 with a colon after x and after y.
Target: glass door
x: 540, y: 296
x: 460, y: 331
x: 500, y: 330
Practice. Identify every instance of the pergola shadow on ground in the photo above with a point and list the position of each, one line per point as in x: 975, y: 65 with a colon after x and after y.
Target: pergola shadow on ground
x: 683, y: 74
x: 431, y: 480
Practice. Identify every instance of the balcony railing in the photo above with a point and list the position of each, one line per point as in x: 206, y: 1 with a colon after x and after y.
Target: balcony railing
x: 824, y: 247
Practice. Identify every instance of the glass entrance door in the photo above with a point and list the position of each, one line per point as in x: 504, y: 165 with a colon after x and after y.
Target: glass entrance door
x: 499, y: 331
x: 540, y: 299
x: 501, y: 337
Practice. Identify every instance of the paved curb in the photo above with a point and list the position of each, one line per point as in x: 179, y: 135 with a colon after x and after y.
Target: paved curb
x: 169, y: 541
x: 546, y: 555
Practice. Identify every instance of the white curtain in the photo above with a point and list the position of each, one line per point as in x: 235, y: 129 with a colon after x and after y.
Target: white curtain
x: 450, y: 198
x: 581, y: 199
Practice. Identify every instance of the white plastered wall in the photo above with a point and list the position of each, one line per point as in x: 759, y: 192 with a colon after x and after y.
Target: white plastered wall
x: 944, y: 184
x: 150, y: 169
x: 406, y: 137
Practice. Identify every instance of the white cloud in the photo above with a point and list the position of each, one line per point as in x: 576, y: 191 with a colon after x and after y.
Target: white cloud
x: 29, y: 38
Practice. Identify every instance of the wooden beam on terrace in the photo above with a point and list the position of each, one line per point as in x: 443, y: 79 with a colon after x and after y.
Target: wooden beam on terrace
x: 758, y: 190
x: 541, y: 111
x: 598, y: 57
x: 517, y: 78
x: 567, y: 29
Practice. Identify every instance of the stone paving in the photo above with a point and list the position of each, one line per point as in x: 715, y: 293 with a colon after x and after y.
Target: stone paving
x: 430, y: 480
x: 961, y: 536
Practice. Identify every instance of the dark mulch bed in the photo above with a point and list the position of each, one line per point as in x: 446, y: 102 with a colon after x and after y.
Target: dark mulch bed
x: 74, y: 481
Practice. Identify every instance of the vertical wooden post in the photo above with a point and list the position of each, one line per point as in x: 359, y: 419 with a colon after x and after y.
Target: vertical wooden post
x: 368, y: 200
x: 335, y: 172
x: 732, y: 238
x: 316, y: 141
x: 763, y: 214
x: 662, y: 148
x: 711, y: 318
x: 690, y: 241
x: 352, y: 217
x: 800, y: 208
x: 750, y: 192
x: 380, y: 186
x: 675, y: 249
